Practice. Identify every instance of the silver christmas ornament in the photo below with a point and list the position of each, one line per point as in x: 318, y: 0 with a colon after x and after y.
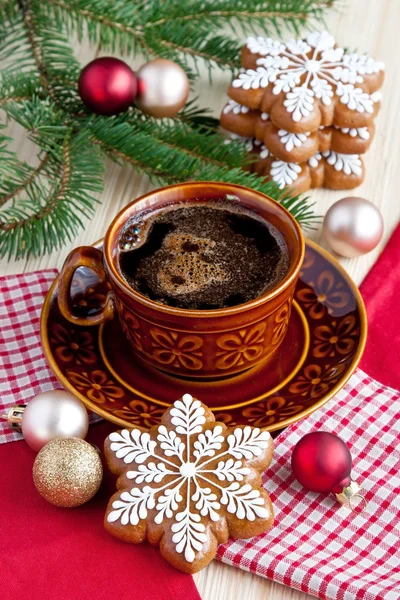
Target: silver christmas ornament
x: 163, y: 88
x: 353, y: 226
x: 49, y: 415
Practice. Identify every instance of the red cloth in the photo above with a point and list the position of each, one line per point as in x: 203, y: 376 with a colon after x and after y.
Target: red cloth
x: 381, y: 292
x: 51, y: 553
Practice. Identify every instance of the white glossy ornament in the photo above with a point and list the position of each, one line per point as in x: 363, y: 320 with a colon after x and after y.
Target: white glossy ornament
x: 353, y: 226
x: 53, y: 414
x: 163, y: 88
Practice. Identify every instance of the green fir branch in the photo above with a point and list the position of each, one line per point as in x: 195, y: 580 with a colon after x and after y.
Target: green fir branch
x: 17, y: 87
x: 188, y: 44
x: 170, y: 155
x: 197, y: 117
x: 269, y: 14
x: 15, y: 52
x: 207, y: 146
x: 17, y: 176
x: 110, y: 25
x: 43, y: 205
x: 52, y: 210
x: 148, y: 27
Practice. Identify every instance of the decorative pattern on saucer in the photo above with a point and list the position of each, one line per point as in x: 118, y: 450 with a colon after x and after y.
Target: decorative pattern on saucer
x: 324, y: 339
x: 189, y: 484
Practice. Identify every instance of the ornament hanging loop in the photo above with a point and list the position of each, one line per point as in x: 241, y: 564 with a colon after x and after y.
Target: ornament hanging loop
x: 14, y: 417
x: 360, y: 506
x: 348, y: 497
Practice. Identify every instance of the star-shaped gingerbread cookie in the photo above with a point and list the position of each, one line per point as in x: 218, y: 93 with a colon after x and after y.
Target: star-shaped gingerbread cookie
x: 304, y: 84
x: 189, y: 484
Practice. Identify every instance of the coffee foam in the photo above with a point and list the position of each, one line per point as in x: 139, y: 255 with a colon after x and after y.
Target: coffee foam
x: 187, y: 271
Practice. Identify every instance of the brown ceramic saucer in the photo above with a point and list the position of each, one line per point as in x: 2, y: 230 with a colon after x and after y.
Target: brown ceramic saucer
x: 324, y: 343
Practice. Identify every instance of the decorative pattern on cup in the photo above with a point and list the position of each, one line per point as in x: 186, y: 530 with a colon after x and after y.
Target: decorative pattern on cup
x: 240, y: 347
x: 282, y: 317
x: 131, y: 327
x: 174, y: 350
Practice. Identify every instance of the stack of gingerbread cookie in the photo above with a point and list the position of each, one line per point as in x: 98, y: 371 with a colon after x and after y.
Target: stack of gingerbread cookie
x: 312, y: 106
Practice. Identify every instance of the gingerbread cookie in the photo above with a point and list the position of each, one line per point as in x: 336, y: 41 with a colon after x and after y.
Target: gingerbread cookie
x: 305, y: 84
x: 294, y: 147
x: 239, y: 119
x: 351, y: 140
x: 189, y: 484
x: 328, y: 169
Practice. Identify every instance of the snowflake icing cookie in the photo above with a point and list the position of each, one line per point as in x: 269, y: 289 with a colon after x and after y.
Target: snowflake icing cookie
x: 188, y: 484
x: 295, y: 147
x: 304, y: 84
x: 327, y: 169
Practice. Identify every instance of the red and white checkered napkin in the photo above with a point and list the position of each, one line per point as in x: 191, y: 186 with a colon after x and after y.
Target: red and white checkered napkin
x: 23, y: 368
x: 316, y: 545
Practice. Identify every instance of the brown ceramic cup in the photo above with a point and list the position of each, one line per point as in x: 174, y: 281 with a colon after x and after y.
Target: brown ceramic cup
x: 192, y: 343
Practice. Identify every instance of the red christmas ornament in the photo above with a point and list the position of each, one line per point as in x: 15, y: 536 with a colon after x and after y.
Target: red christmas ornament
x: 321, y: 462
x: 107, y: 86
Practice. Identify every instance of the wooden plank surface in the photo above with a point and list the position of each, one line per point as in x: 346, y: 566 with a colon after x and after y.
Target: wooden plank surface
x: 365, y: 25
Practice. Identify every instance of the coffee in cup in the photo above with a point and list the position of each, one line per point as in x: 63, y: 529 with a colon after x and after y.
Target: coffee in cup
x: 202, y: 255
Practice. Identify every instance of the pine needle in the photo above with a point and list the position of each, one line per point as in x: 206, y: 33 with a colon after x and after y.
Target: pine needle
x: 44, y: 205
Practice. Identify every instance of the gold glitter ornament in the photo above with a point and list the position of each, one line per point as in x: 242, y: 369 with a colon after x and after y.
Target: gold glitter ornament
x: 67, y: 472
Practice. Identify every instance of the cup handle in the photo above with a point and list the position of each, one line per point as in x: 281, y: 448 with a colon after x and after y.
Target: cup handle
x: 92, y: 258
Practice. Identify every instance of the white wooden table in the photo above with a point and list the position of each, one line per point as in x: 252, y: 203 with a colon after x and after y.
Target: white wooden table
x: 367, y: 25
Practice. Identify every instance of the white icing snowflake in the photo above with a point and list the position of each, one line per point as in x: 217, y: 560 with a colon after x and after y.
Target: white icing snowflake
x: 305, y: 70
x: 284, y: 173
x: 248, y: 142
x: 314, y: 160
x: 264, y: 46
x: 292, y: 140
x: 376, y: 96
x: 252, y: 79
x: 186, y: 473
x: 361, y: 132
x: 350, y: 164
x: 235, y: 107
x: 264, y: 152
